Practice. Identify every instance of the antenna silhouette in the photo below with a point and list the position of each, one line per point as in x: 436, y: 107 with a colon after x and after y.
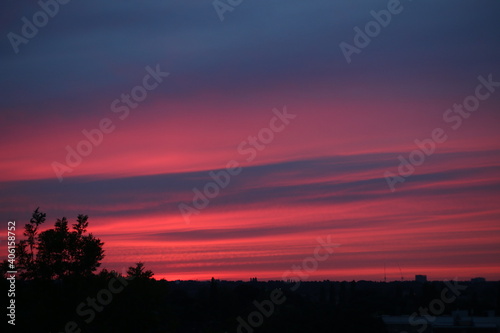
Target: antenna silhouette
x: 400, y: 272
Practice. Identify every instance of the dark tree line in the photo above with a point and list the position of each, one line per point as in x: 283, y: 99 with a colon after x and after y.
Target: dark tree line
x: 61, y: 253
x: 57, y: 273
x: 58, y: 253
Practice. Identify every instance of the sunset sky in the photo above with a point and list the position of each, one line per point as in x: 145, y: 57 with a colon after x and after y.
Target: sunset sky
x: 322, y: 173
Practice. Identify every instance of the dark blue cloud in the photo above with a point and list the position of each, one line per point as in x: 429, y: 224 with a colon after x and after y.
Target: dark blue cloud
x: 265, y: 185
x: 100, y: 49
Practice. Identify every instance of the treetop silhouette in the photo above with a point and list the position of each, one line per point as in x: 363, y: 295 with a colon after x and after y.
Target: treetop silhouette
x: 58, y: 253
x: 139, y: 272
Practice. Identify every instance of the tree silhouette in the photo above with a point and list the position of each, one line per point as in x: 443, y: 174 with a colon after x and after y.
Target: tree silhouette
x: 139, y: 271
x: 25, y: 258
x: 4, y: 268
x: 58, y: 253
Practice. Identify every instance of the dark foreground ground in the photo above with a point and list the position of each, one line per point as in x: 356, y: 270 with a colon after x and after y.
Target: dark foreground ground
x: 114, y: 304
